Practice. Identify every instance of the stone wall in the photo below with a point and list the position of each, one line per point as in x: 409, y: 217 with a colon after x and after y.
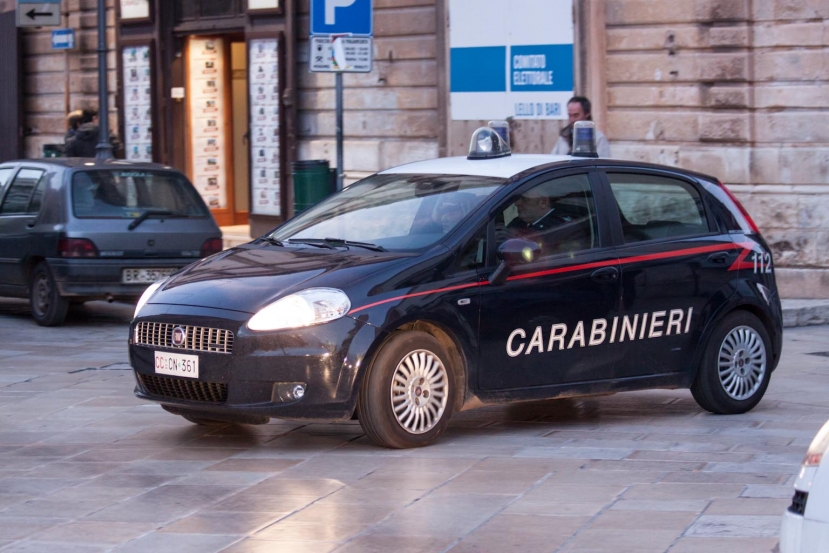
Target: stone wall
x: 739, y: 90
x: 56, y: 82
x: 391, y: 114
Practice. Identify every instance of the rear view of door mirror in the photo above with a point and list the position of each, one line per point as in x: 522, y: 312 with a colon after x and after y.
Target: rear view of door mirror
x: 515, y: 251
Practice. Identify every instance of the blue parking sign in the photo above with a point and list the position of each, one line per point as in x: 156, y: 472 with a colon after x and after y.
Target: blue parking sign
x: 333, y: 17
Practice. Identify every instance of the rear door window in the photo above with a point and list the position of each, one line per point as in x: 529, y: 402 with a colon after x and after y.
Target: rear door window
x: 5, y: 175
x: 21, y: 193
x: 652, y: 207
x: 129, y: 194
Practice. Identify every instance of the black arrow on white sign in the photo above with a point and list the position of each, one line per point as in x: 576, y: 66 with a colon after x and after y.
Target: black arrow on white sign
x: 32, y: 14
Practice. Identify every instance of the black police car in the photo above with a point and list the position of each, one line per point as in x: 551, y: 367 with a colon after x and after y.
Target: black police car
x: 448, y: 284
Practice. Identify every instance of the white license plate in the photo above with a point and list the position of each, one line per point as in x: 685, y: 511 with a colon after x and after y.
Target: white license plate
x: 144, y: 276
x: 176, y: 364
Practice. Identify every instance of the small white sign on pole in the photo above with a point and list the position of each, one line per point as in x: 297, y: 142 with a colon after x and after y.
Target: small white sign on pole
x: 341, y: 54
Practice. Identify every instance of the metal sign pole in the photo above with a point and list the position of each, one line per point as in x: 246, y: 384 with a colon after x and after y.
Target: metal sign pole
x: 339, y: 93
x: 104, y: 148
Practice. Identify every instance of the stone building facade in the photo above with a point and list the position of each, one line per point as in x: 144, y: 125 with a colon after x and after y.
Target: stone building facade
x: 737, y: 89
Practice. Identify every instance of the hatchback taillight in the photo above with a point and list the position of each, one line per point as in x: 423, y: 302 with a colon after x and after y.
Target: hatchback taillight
x: 752, y: 225
x: 76, y: 247
x: 211, y: 246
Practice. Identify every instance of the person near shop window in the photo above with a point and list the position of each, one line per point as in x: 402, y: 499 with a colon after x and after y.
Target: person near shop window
x: 85, y: 141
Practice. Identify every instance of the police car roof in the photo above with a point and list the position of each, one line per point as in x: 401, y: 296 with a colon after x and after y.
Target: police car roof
x: 503, y: 167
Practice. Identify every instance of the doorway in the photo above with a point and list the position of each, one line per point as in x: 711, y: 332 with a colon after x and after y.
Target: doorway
x: 217, y: 125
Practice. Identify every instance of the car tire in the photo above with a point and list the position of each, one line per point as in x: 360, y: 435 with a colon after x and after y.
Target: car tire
x: 736, y: 366
x: 408, y: 393
x: 48, y: 307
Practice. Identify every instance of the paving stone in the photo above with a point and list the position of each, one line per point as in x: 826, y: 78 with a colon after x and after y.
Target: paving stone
x: 735, y: 526
x: 177, y: 543
x: 732, y: 545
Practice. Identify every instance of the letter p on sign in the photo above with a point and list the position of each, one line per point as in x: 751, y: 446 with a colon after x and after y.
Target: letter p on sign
x: 330, y: 9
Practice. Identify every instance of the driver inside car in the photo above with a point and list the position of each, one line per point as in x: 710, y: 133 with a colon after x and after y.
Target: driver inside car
x: 535, y: 212
x: 539, y: 220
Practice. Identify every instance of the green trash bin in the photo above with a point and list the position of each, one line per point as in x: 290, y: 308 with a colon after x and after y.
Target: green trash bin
x: 312, y: 183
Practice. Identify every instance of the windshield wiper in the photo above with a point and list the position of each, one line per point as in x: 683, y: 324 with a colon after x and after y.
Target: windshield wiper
x: 317, y: 242
x: 333, y: 243
x: 271, y: 240
x: 147, y: 214
x: 366, y: 245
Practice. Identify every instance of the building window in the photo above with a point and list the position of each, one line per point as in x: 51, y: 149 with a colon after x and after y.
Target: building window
x: 189, y: 10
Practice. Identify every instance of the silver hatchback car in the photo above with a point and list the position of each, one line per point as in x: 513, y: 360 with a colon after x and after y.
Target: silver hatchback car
x: 74, y: 230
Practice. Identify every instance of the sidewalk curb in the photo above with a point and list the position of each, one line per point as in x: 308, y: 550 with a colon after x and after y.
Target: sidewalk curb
x: 805, y: 312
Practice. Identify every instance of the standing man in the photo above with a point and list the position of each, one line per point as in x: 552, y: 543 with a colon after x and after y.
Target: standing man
x: 85, y: 141
x: 578, y: 109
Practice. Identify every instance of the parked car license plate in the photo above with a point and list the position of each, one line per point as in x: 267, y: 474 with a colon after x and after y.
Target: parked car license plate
x: 176, y: 364
x: 139, y: 276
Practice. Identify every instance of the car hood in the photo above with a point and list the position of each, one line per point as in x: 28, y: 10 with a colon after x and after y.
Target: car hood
x: 250, y: 277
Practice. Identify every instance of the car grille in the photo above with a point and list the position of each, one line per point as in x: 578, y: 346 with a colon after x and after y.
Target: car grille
x: 179, y: 388
x: 196, y: 338
x: 798, y: 505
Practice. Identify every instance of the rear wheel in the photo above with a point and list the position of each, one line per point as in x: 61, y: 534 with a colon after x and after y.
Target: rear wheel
x: 408, y: 393
x: 735, y: 369
x: 48, y: 307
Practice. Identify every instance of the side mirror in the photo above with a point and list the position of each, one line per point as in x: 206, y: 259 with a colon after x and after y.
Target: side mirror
x: 515, y: 251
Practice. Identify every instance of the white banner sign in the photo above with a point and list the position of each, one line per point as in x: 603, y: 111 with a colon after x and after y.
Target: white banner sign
x: 515, y: 62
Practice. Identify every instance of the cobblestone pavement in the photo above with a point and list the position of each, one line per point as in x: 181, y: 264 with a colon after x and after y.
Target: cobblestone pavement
x: 85, y: 467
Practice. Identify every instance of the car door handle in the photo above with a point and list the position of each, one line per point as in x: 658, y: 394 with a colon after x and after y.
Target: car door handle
x: 719, y: 257
x: 606, y: 274
x: 30, y: 224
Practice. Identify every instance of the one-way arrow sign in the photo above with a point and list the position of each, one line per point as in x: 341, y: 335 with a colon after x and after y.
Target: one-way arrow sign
x: 32, y: 14
x: 38, y: 14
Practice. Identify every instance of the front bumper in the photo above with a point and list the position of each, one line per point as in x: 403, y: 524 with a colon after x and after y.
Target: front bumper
x: 258, y: 376
x: 101, y: 278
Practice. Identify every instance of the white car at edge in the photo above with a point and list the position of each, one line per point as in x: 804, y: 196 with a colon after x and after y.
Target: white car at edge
x: 805, y: 526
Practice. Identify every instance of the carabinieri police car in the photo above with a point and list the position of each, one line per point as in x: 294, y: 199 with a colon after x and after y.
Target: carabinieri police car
x: 448, y: 284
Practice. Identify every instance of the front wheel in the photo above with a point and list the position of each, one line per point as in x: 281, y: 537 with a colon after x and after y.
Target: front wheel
x: 48, y: 307
x: 736, y: 367
x: 408, y: 393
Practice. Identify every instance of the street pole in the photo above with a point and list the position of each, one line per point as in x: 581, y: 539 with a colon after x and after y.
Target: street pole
x: 340, y: 172
x: 104, y: 148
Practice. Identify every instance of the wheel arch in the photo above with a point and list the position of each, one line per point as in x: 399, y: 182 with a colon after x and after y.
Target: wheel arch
x: 447, y: 340
x: 29, y: 267
x: 453, y: 349
x: 768, y: 324
x: 737, y: 304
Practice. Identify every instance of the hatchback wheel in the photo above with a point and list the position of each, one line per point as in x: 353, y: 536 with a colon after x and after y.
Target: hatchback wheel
x: 408, y: 393
x: 736, y: 366
x: 48, y: 307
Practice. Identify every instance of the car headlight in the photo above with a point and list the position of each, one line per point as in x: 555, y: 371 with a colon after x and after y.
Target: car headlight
x: 148, y: 293
x: 305, y: 308
x: 817, y: 448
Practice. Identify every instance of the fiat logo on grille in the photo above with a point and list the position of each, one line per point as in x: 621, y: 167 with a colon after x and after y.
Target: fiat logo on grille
x: 179, y: 336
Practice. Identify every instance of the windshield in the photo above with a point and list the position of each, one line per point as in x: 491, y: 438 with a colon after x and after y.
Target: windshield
x: 129, y: 194
x: 394, y: 212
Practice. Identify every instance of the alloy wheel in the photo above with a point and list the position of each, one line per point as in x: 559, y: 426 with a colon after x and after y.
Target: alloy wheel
x: 742, y: 362
x: 419, y: 391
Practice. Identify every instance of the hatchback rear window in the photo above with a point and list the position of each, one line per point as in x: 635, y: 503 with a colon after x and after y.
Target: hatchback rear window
x: 112, y: 194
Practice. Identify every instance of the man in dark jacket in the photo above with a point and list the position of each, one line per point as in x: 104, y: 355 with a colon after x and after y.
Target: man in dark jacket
x: 85, y: 141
